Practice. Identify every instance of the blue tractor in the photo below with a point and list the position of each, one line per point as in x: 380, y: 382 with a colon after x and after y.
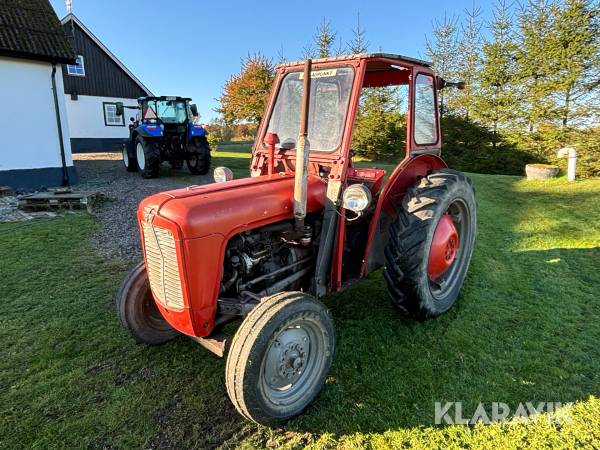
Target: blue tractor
x: 164, y: 130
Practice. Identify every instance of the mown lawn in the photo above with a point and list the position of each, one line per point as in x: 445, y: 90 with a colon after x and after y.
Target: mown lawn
x: 526, y: 328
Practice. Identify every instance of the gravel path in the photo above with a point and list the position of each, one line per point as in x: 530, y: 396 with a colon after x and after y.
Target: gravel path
x: 104, y: 173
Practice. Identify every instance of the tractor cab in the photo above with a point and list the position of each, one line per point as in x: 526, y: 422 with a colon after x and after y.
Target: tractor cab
x: 166, y: 110
x: 335, y: 89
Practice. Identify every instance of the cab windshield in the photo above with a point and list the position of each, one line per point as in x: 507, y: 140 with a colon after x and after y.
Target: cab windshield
x: 329, y: 97
x: 166, y: 111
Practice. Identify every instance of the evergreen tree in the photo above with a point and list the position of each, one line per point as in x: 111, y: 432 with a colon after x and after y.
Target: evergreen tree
x: 442, y: 52
x: 324, y: 39
x: 535, y: 55
x: 576, y: 43
x: 358, y: 43
x: 380, y: 128
x: 495, y: 100
x: 469, y: 45
x: 281, y: 59
x: 309, y: 52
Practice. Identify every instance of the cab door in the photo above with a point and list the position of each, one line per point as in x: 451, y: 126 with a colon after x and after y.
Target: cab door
x: 424, y: 120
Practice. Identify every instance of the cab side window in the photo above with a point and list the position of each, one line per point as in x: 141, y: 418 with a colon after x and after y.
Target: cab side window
x: 425, y: 114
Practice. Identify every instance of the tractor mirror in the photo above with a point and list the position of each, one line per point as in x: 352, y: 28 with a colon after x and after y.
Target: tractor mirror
x: 194, y: 109
x: 119, y: 107
x: 131, y: 119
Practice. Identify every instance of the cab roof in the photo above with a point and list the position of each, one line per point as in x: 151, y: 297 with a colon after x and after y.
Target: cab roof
x: 399, y: 58
x: 164, y: 98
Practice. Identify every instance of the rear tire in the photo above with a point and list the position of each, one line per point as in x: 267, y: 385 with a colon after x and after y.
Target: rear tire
x: 137, y: 311
x: 199, y: 158
x: 147, y: 155
x: 279, y: 357
x: 407, y: 253
x: 129, y: 161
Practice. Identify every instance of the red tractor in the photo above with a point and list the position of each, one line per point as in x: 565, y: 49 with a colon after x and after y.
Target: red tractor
x: 263, y: 249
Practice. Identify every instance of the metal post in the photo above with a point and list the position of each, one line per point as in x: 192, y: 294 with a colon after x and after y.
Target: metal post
x: 571, y: 154
x: 302, y: 154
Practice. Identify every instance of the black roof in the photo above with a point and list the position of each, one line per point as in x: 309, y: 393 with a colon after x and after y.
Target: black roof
x: 30, y: 29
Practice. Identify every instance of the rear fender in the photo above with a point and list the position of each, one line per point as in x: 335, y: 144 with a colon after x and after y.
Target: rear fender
x: 404, y: 176
x: 195, y: 130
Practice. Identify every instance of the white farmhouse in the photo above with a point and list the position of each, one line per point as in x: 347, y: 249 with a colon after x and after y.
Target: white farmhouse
x: 35, y: 150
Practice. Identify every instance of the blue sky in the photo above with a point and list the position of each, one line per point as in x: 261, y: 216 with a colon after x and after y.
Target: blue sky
x: 190, y: 48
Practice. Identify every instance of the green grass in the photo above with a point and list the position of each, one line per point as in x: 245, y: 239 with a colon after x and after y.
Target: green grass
x: 526, y: 328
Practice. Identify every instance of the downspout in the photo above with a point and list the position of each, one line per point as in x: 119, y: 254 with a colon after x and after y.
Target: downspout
x: 65, y: 172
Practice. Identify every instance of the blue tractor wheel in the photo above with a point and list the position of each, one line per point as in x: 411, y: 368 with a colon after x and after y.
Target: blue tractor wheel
x: 147, y: 155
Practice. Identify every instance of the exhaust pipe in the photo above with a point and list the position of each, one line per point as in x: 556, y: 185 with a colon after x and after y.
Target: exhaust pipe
x: 302, y: 154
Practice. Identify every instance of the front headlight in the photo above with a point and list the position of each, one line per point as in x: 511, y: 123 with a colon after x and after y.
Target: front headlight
x: 357, y: 198
x: 222, y: 174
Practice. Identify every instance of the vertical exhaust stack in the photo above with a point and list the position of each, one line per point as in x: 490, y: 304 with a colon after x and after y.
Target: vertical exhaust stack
x: 302, y: 154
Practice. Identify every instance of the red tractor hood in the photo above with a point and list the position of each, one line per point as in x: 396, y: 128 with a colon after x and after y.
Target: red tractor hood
x: 230, y: 207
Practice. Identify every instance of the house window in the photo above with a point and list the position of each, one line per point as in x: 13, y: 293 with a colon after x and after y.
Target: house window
x: 110, y: 116
x: 77, y: 69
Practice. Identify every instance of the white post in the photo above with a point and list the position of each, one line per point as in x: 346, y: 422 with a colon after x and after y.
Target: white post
x: 571, y: 154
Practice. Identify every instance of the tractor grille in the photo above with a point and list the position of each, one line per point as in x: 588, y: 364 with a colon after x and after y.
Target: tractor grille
x: 161, y: 263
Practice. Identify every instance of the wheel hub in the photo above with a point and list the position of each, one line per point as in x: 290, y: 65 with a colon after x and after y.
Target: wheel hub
x: 444, y: 247
x: 286, y: 359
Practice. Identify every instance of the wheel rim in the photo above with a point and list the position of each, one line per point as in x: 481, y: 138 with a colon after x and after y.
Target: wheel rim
x: 444, y: 247
x: 141, y: 158
x: 193, y: 161
x: 447, y: 255
x: 126, y: 157
x: 292, y: 363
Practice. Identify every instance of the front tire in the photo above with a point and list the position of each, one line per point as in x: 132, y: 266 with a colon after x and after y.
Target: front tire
x: 147, y: 154
x: 137, y: 311
x: 431, y: 243
x: 279, y: 357
x: 199, y: 158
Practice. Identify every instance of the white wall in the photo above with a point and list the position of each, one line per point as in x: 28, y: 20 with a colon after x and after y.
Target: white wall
x: 28, y: 131
x: 86, y: 117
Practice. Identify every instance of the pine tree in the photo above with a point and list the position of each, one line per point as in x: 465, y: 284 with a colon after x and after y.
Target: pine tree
x: 576, y: 42
x: 495, y: 100
x: 324, y: 39
x: 469, y: 45
x: 442, y: 52
x: 380, y: 128
x: 358, y: 43
x: 535, y: 56
x: 281, y: 59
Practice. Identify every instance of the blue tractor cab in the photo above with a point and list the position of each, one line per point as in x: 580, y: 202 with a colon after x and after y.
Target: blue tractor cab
x: 165, y: 129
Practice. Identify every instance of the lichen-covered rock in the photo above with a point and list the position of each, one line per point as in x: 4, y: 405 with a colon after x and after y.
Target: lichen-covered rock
x: 541, y: 171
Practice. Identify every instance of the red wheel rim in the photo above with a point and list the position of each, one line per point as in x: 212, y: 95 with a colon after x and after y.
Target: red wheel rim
x: 444, y: 248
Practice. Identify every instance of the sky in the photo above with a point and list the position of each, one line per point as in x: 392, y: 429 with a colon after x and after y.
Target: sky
x: 190, y: 48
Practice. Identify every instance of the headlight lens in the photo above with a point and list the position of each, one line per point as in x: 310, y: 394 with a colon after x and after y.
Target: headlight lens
x: 357, y: 197
x: 222, y: 174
